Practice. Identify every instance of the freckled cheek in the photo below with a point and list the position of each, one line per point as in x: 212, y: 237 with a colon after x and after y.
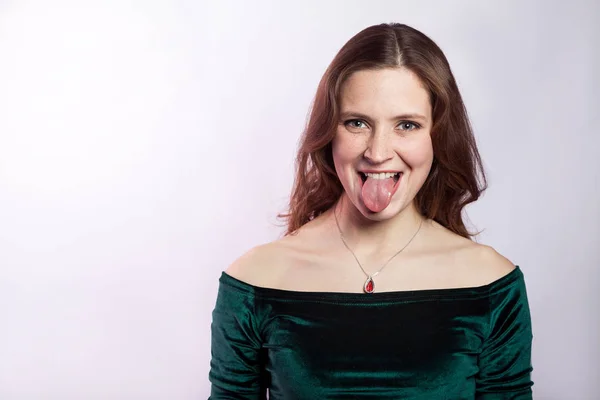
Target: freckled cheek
x: 347, y: 150
x: 418, y: 155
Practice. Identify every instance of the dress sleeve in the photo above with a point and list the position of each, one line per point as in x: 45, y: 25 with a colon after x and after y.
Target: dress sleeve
x: 505, y: 360
x: 235, y: 366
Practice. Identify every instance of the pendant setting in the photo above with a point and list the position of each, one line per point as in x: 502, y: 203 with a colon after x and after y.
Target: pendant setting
x: 369, y: 286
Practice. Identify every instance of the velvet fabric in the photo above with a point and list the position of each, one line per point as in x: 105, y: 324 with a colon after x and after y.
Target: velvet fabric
x: 463, y: 343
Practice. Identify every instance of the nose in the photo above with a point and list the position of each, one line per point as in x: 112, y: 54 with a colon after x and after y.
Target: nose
x: 379, y: 147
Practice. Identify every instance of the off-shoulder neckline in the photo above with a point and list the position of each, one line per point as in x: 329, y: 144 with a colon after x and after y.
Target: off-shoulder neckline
x: 499, y: 284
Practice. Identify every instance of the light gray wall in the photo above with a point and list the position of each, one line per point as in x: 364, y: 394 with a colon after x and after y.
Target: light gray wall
x: 145, y: 145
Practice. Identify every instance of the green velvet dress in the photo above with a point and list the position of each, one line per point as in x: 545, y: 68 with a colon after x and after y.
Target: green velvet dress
x: 464, y: 343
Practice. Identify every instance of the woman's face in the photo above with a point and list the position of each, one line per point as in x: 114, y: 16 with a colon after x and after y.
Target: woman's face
x: 384, y: 125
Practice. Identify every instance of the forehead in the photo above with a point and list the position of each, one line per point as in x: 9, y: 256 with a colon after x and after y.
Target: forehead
x: 385, y: 92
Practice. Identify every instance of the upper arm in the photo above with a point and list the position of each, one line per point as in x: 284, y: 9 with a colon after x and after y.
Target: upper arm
x: 236, y: 366
x: 505, y: 358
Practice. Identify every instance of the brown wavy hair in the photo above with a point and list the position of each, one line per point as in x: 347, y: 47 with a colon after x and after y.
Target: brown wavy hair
x: 456, y: 177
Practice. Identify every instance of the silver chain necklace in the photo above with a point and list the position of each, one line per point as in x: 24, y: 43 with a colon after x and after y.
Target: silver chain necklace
x: 369, y: 285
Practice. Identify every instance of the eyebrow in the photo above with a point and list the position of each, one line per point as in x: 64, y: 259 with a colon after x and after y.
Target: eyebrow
x: 352, y: 114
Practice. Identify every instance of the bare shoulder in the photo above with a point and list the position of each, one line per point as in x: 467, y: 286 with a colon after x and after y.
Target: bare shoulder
x: 485, y: 265
x: 272, y: 264
x: 262, y: 265
x: 471, y: 264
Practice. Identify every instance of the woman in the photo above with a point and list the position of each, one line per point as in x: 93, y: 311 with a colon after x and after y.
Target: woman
x: 377, y: 290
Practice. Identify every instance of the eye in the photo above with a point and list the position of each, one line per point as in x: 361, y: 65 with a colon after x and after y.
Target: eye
x: 408, y: 126
x: 355, y: 124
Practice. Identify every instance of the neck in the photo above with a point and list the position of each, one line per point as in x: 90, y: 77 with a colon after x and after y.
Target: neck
x: 369, y: 238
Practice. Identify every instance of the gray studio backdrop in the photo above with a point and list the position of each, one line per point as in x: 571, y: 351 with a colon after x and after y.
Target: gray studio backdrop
x: 145, y: 145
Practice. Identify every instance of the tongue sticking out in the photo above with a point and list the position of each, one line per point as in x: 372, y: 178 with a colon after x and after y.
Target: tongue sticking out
x: 377, y: 193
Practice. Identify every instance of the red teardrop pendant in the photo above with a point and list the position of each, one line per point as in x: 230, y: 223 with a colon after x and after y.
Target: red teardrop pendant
x: 369, y: 286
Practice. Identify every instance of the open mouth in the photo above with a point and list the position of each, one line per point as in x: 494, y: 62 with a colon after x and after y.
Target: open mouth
x: 395, y: 175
